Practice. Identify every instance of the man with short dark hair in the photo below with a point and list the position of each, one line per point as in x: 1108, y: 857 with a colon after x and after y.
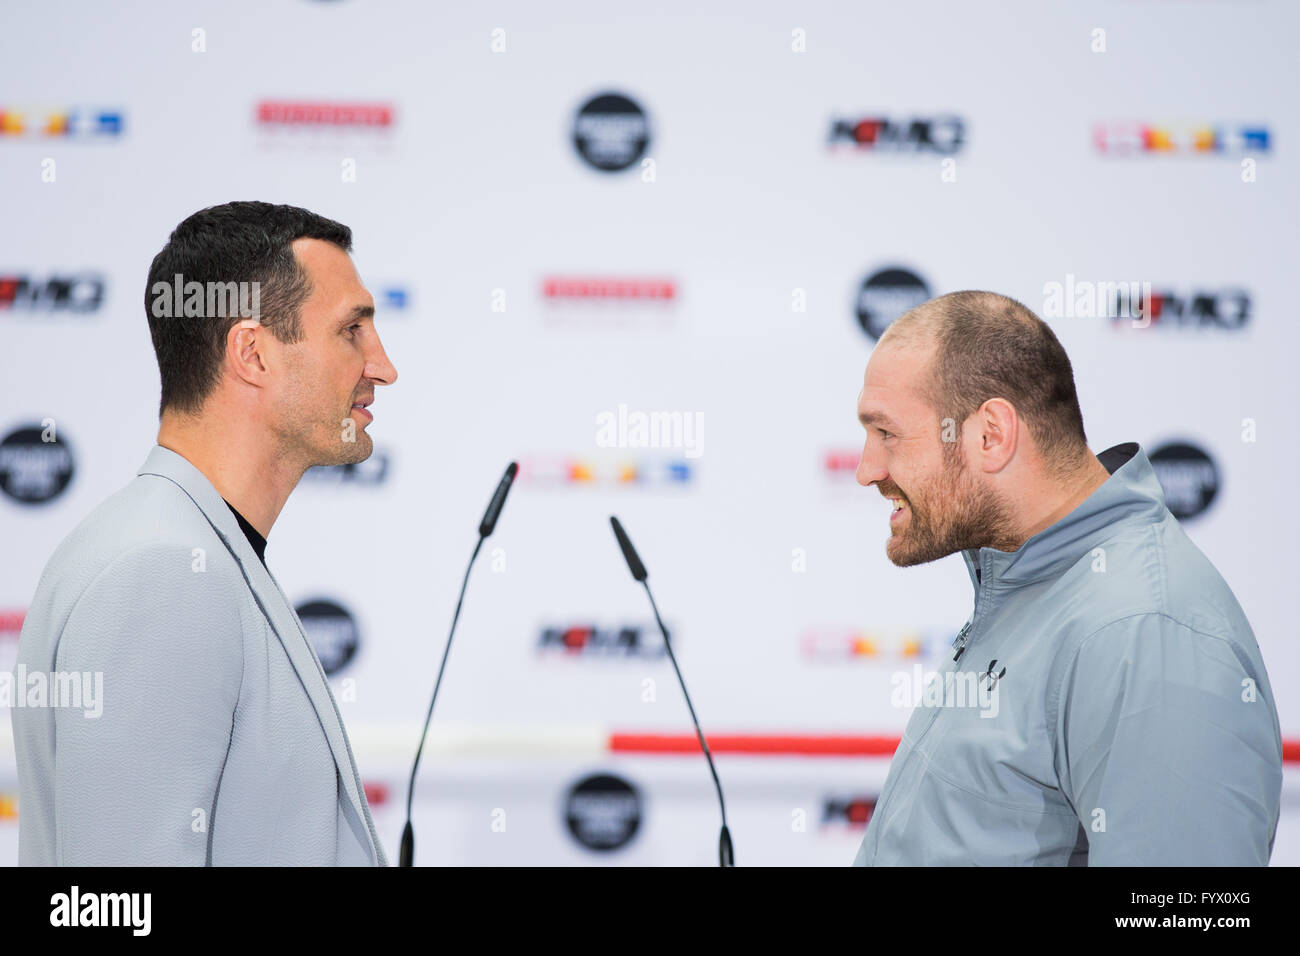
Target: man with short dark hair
x: 1107, y: 702
x: 219, y: 741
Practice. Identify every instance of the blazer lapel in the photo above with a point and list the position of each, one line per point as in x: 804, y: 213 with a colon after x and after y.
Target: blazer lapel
x: 284, y: 621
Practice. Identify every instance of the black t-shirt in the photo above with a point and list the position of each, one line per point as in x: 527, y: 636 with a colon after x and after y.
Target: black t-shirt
x: 251, y: 533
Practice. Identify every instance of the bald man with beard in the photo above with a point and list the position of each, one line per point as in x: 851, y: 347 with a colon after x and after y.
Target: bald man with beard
x: 1106, y: 703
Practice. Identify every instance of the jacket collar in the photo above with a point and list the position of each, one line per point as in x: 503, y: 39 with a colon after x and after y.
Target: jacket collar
x: 1132, y: 494
x: 165, y: 463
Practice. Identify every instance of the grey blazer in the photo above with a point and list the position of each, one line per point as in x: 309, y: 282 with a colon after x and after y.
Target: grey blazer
x: 217, y: 740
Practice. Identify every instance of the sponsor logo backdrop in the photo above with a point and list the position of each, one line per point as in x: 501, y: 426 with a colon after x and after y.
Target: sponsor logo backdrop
x: 707, y: 217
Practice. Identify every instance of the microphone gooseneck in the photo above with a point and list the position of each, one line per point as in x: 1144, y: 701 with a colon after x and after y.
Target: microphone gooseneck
x: 485, y: 528
x: 726, y: 852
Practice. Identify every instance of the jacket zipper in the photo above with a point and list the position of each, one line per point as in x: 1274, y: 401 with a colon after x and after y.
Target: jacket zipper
x: 963, y: 636
x: 963, y: 639
x: 960, y: 642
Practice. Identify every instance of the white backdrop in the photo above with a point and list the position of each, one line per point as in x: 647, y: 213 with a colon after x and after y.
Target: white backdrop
x: 523, y: 292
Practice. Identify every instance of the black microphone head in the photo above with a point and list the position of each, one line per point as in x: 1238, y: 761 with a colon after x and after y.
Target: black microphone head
x: 493, y: 511
x: 629, y: 553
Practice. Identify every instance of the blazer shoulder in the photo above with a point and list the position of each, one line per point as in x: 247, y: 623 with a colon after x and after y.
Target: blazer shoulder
x: 150, y: 540
x: 149, y: 513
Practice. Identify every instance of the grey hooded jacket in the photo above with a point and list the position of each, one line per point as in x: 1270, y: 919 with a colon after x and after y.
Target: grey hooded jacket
x: 1108, y: 706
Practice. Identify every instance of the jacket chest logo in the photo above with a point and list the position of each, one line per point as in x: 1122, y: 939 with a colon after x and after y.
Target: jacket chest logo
x: 991, y: 677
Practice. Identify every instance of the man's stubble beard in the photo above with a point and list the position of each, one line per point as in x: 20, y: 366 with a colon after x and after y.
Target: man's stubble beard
x: 956, y: 514
x: 304, y: 437
x: 357, y: 450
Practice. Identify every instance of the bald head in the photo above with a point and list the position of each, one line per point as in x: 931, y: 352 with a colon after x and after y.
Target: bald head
x: 983, y: 345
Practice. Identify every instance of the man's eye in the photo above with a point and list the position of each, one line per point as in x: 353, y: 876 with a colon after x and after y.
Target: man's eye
x: 351, y: 327
x: 883, y: 433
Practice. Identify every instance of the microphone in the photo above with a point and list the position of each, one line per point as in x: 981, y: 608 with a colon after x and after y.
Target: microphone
x: 485, y: 528
x: 629, y: 553
x: 493, y: 512
x: 726, y: 853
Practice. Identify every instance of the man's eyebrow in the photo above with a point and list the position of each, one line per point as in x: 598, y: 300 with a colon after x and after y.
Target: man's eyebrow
x: 358, y: 312
x: 875, y: 418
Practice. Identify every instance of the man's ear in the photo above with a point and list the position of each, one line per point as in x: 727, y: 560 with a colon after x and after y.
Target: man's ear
x: 996, y: 428
x: 243, y: 350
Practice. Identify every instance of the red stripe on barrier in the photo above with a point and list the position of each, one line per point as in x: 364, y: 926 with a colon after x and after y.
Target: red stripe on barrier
x: 793, y: 745
x: 761, y: 744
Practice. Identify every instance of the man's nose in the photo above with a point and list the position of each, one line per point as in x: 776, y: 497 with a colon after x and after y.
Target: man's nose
x: 870, y: 469
x: 378, y: 367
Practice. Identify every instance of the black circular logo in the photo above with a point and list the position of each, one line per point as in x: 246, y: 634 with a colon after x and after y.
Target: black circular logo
x: 885, y: 296
x: 34, y: 470
x: 1189, y: 477
x: 611, y: 132
x: 603, y: 812
x: 332, y: 632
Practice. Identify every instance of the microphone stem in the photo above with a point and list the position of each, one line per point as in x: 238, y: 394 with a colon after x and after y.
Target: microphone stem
x: 689, y: 706
x: 410, y: 790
